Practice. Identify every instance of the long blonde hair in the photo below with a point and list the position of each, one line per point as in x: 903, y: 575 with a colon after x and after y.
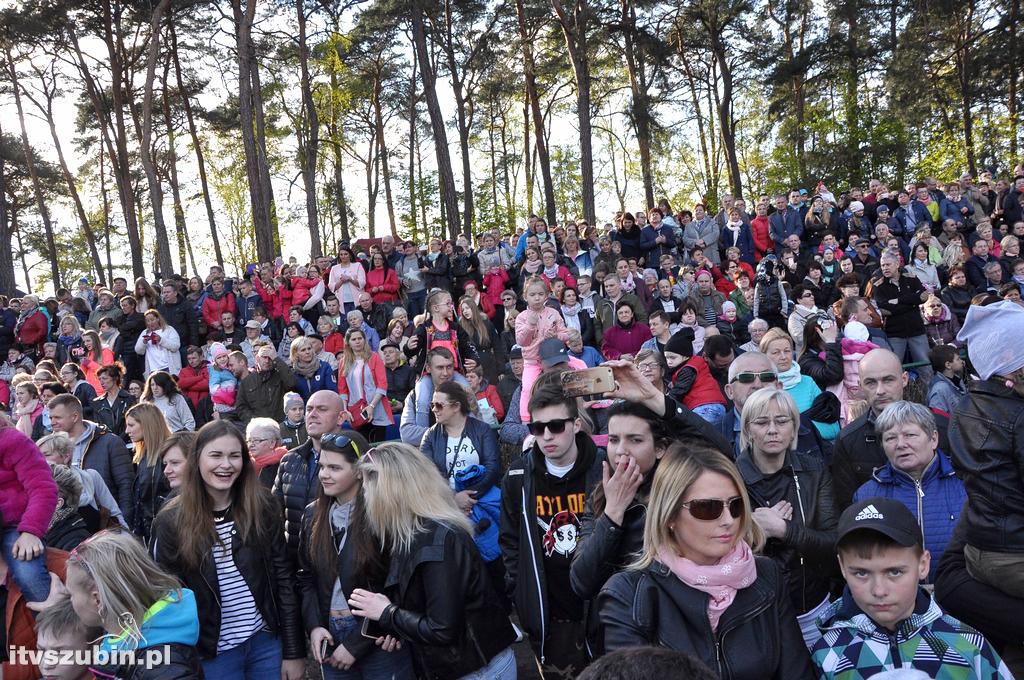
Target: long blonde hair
x: 403, y: 492
x: 154, y: 431
x: 681, y: 466
x: 126, y: 579
x: 349, y: 359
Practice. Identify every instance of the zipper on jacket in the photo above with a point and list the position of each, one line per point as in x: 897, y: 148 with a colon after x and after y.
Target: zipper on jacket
x: 803, y: 520
x: 920, y: 504
x: 720, y: 638
x: 536, y: 575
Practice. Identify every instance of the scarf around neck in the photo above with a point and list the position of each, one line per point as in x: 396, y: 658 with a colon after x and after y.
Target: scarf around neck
x: 307, y: 369
x: 720, y: 581
x: 790, y: 378
x: 552, y: 271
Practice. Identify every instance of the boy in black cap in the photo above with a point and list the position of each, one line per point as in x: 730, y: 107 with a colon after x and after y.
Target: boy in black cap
x: 885, y: 620
x: 692, y: 383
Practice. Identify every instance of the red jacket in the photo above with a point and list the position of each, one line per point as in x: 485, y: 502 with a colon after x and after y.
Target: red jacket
x: 214, y: 307
x: 28, y: 494
x: 494, y: 286
x: 34, y: 331
x: 301, y: 288
x: 563, y: 273
x: 762, y: 239
x: 705, y: 388
x: 491, y: 394
x: 194, y: 384
x: 276, y: 303
x: 386, y: 278
x: 21, y: 622
x: 380, y: 379
x: 334, y: 343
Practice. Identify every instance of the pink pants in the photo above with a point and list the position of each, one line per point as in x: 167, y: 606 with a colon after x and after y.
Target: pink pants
x: 532, y: 371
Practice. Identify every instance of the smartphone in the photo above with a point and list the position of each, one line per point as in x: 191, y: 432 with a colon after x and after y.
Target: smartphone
x: 372, y: 629
x: 590, y: 382
x: 323, y: 649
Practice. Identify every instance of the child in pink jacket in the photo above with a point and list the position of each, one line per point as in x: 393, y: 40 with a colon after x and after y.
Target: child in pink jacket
x: 533, y: 325
x: 28, y: 497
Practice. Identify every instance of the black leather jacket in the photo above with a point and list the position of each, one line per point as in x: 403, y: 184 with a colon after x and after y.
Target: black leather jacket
x: 265, y: 568
x: 987, y: 437
x: 521, y: 542
x: 445, y: 605
x: 807, y: 553
x: 757, y: 637
x: 112, y: 415
x: 180, y: 663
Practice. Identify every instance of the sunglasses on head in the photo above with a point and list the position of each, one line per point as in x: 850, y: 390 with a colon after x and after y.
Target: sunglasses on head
x: 712, y: 508
x: 747, y: 378
x: 335, y: 439
x: 556, y: 426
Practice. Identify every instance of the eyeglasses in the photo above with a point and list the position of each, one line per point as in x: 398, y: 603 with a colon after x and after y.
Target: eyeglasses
x: 647, y: 366
x: 747, y: 378
x: 438, y: 405
x: 250, y: 442
x: 556, y: 426
x: 708, y: 509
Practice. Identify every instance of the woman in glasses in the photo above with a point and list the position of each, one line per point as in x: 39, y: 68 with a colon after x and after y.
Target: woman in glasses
x: 263, y: 435
x: 791, y: 491
x: 336, y: 555
x: 111, y: 581
x: 222, y: 536
x: 438, y: 598
x: 456, y: 442
x: 696, y: 586
x: 824, y: 410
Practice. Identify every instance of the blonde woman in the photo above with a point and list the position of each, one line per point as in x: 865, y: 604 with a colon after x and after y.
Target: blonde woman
x: 697, y: 586
x: 147, y: 430
x: 116, y: 586
x: 412, y: 513
x: 363, y: 385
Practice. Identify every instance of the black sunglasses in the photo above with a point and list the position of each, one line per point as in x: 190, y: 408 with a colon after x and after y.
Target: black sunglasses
x: 556, y: 426
x: 708, y: 509
x: 335, y: 439
x: 747, y: 378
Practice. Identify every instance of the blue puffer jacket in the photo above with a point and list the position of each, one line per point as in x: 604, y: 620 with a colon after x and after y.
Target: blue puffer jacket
x: 941, y: 496
x: 323, y: 379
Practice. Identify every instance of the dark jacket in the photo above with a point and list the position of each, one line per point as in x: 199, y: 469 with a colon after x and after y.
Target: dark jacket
x: 987, y: 437
x: 807, y: 553
x: 903, y: 305
x: 265, y: 568
x: 958, y: 300
x: 295, y: 486
x: 757, y: 637
x: 261, y: 394
x: 110, y: 415
x: 86, y: 394
x: 808, y: 439
x: 181, y: 663
x: 316, y: 586
x: 520, y: 538
x: 827, y: 371
x: 462, y: 342
x: 604, y: 547
x: 181, y: 316
x: 106, y: 454
x: 438, y: 274
x: 858, y: 452
x: 484, y: 440
x: 130, y: 327
x: 67, y: 533
x: 151, y: 490
x: 458, y: 633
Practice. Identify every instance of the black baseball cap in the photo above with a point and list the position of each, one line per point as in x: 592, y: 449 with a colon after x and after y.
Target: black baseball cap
x: 884, y: 515
x: 553, y: 352
x: 516, y: 352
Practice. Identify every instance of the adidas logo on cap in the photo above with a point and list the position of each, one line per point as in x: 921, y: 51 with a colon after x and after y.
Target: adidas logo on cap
x: 868, y: 513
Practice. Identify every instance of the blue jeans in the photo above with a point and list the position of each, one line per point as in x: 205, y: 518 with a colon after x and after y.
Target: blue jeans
x: 713, y: 413
x: 258, y: 658
x: 377, y: 665
x: 416, y: 303
x: 918, y: 346
x: 501, y: 667
x: 29, y: 575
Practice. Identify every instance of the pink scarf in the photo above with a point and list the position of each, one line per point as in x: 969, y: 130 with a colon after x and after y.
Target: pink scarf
x: 733, y: 572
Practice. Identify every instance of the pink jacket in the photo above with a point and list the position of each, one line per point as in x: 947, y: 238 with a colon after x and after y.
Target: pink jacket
x: 848, y: 389
x: 28, y: 494
x: 529, y: 338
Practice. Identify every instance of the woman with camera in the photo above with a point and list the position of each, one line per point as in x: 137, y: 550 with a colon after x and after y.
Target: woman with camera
x: 159, y: 344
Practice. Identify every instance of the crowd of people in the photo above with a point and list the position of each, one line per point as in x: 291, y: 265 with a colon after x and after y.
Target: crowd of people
x: 808, y: 461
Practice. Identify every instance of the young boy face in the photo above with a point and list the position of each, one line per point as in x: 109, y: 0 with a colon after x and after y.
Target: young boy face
x: 674, y: 360
x: 295, y: 413
x: 884, y: 586
x: 68, y: 642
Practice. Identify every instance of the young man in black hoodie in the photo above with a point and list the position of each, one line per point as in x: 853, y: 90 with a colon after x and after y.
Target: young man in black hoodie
x: 542, y: 496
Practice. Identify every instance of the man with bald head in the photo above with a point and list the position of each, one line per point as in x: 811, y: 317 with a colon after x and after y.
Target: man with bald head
x: 749, y: 372
x: 858, y: 450
x: 295, y: 477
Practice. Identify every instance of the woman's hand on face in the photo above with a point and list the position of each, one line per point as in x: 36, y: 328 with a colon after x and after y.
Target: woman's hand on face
x: 830, y: 334
x: 368, y: 605
x: 620, y: 485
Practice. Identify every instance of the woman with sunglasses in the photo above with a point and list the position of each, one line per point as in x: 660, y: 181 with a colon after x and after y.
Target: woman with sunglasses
x: 697, y: 586
x: 437, y: 596
x: 791, y: 490
x: 457, y: 441
x: 222, y: 536
x: 336, y: 556
x: 640, y: 429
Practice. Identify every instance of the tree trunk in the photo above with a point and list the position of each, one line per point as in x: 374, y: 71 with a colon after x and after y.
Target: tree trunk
x: 21, y: 251
x: 640, y: 108
x: 382, y: 153
x: 186, y: 104
x: 726, y: 122
x: 122, y: 167
x: 156, y: 194
x: 7, y: 283
x: 533, y: 106
x: 254, y: 158
x: 49, y: 91
x: 413, y: 143
x: 261, y: 146
x: 37, y: 187
x: 310, y: 146
x: 106, y: 216
x: 575, y: 31
x: 180, y: 227
x: 446, y: 177
x: 528, y: 151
